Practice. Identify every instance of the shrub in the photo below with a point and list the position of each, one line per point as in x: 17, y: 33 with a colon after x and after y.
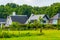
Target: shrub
x: 30, y: 26
x: 58, y: 26
x: 15, y: 25
x: 6, y: 35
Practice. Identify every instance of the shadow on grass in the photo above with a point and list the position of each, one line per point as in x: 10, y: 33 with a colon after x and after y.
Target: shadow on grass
x: 31, y: 34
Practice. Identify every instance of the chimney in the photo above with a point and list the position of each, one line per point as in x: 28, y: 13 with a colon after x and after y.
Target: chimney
x: 14, y: 13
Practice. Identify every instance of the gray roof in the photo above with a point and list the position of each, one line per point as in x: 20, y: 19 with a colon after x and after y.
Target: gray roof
x: 36, y: 17
x: 2, y: 20
x: 57, y: 16
x: 19, y: 18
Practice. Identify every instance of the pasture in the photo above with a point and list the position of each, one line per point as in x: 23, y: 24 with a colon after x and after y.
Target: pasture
x: 35, y: 35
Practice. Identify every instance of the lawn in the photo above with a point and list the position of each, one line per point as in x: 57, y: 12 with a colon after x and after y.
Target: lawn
x: 48, y: 35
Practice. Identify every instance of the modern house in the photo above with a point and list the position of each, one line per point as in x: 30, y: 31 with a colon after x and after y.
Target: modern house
x: 55, y: 19
x: 33, y: 17
x: 16, y: 18
x: 2, y: 21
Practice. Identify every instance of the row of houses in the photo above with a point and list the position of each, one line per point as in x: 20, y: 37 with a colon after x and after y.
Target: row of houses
x: 23, y: 19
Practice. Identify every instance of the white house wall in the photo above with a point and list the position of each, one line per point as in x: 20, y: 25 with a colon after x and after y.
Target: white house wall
x: 9, y: 21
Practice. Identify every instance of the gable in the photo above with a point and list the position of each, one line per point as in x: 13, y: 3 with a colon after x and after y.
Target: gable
x: 36, y: 17
x: 46, y: 17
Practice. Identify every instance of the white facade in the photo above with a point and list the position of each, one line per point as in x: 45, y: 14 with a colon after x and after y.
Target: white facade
x: 8, y: 21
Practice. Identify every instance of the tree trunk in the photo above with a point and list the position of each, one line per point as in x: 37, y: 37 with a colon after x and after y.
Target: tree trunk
x: 41, y: 29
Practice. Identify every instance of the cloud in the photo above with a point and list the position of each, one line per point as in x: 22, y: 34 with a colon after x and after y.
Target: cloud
x: 36, y: 2
x: 5, y: 2
x: 30, y: 2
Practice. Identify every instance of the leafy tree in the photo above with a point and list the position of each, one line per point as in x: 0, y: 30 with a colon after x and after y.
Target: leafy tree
x: 24, y: 9
x: 41, y: 24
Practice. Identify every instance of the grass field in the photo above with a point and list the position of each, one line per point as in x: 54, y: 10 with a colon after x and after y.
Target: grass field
x: 48, y: 35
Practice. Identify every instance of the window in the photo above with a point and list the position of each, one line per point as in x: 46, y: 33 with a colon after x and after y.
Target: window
x: 44, y: 21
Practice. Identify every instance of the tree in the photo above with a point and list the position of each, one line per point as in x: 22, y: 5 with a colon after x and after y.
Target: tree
x: 40, y: 21
x: 24, y: 10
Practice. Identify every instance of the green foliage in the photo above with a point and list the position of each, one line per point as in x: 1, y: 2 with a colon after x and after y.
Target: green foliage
x: 24, y: 9
x: 15, y: 25
x: 10, y: 34
x: 48, y: 26
x: 31, y: 26
x: 5, y: 35
x: 48, y: 35
x: 18, y: 26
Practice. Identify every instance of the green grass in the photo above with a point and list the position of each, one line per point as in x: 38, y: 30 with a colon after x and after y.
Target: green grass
x: 48, y: 35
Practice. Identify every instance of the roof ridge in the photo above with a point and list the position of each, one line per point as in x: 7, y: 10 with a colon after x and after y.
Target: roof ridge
x: 18, y: 15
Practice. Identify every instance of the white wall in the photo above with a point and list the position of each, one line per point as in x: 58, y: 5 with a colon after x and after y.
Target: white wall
x: 8, y: 21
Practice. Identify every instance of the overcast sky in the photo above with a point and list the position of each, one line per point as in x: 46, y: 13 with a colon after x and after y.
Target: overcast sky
x: 30, y: 2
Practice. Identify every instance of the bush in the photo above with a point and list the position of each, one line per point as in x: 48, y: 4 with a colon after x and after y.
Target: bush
x: 58, y: 26
x: 50, y: 26
x: 30, y: 26
x: 6, y: 35
x: 15, y: 25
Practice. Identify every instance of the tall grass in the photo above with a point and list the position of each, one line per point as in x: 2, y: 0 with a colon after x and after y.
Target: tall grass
x: 10, y: 34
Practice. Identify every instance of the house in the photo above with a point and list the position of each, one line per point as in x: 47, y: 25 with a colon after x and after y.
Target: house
x: 23, y: 19
x: 36, y: 17
x: 2, y: 21
x: 55, y: 19
x: 16, y: 18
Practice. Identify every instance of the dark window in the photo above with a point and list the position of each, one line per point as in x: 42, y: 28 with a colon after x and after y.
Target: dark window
x: 44, y: 21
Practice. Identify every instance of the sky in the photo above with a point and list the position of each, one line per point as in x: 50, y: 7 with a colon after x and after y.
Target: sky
x: 39, y: 3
